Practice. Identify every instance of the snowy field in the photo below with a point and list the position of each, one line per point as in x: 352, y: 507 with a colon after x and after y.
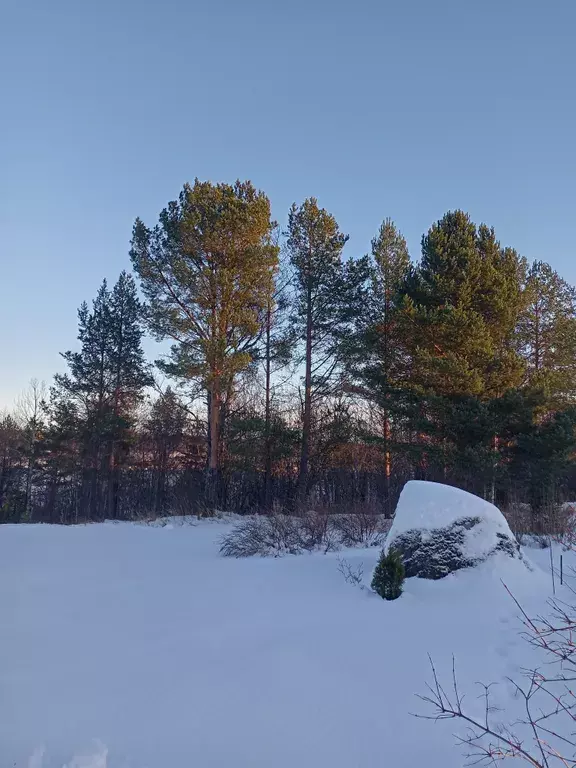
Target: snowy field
x: 132, y: 646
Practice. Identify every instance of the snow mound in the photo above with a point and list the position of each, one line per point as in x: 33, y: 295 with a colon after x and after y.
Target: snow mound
x: 439, y: 529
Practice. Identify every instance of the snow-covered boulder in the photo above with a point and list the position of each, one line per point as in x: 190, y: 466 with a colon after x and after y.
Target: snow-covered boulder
x: 439, y: 529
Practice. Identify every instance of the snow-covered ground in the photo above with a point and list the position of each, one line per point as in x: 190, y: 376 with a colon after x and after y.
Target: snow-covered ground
x: 132, y: 646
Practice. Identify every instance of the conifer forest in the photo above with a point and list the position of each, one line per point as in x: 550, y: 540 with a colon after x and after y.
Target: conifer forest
x: 295, y: 377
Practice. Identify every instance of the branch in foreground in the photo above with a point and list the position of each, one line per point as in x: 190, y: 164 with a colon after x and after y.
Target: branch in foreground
x: 544, y: 744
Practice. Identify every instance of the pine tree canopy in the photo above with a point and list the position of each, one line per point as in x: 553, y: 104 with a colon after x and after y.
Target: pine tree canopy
x: 461, y: 305
x: 109, y: 370
x: 546, y: 333
x: 207, y: 270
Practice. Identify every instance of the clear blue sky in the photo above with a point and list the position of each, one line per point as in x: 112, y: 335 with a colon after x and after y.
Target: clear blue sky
x: 386, y: 108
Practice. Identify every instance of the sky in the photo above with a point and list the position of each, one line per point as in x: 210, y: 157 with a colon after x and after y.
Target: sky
x: 399, y: 108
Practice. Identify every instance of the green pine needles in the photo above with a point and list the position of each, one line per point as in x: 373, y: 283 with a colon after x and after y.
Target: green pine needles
x: 389, y: 575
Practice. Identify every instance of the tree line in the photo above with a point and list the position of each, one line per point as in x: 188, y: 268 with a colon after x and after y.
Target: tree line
x: 298, y: 377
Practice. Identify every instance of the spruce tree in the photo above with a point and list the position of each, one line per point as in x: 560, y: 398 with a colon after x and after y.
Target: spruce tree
x: 389, y: 575
x: 207, y: 270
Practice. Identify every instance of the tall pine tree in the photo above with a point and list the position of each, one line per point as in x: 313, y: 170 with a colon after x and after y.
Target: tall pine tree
x: 276, y: 354
x: 326, y: 301
x: 207, y: 270
x: 546, y: 334
x: 105, y: 380
x: 386, y: 361
x: 461, y: 308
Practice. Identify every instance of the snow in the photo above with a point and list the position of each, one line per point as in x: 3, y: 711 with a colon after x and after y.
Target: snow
x: 428, y: 506
x: 133, y: 646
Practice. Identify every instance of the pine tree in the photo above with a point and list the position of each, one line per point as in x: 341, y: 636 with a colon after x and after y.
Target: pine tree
x: 389, y: 575
x: 376, y: 352
x: 30, y: 410
x: 60, y: 455
x: 276, y: 353
x: 546, y: 334
x: 129, y: 374
x: 541, y: 455
x: 391, y: 265
x: 379, y: 358
x: 207, y: 270
x: 89, y: 377
x: 105, y: 380
x: 12, y: 500
x: 326, y: 300
x: 129, y: 370
x: 165, y: 429
x: 461, y: 306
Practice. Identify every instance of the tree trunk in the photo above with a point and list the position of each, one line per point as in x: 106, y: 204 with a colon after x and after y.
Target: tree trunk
x: 495, y: 446
x: 307, y: 420
x: 267, y: 419
x: 28, y: 498
x: 160, y: 483
x: 215, y: 405
x: 387, y: 466
x: 91, y: 508
x: 112, y: 483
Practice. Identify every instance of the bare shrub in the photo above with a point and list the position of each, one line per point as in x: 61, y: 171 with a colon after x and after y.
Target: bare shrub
x: 272, y: 535
x: 544, y: 736
x: 557, y: 521
x: 534, y: 540
x: 354, y: 576
x: 316, y: 530
x: 519, y: 519
x: 206, y: 511
x: 362, y: 526
x: 568, y: 537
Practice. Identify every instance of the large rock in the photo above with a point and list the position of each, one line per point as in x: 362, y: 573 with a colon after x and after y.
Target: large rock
x: 439, y: 529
